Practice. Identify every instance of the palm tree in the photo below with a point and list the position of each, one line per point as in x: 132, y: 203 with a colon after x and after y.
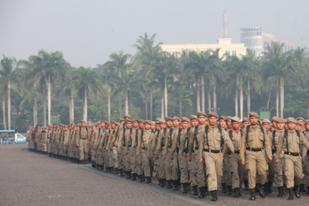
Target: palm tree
x: 7, y: 68
x: 85, y: 81
x: 46, y: 67
x: 278, y: 63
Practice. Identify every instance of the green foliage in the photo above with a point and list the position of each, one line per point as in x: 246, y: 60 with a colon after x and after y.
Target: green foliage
x: 141, y: 76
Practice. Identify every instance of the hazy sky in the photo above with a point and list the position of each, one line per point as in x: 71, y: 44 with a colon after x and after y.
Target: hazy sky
x: 87, y: 31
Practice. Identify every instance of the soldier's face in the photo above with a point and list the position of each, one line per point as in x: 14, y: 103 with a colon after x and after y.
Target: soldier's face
x: 202, y: 120
x: 291, y: 125
x: 186, y: 124
x: 236, y: 125
x: 307, y: 126
x: 129, y: 124
x: 152, y: 126
x: 163, y: 125
x: 280, y: 125
x: 169, y: 123
x: 142, y: 125
x: 147, y: 126
x: 176, y: 123
x: 135, y: 124
x: 194, y: 122
x: 213, y: 121
x: 267, y: 126
x: 254, y: 120
x: 223, y: 123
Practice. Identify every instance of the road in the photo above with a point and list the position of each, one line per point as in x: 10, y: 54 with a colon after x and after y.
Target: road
x: 32, y: 179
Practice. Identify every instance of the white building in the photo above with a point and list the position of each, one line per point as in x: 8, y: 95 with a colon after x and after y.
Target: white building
x: 225, y: 46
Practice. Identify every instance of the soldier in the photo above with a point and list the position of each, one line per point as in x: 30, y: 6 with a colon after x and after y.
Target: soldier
x: 136, y: 161
x: 210, y: 151
x: 306, y: 154
x: 193, y: 155
x: 290, y: 146
x: 171, y: 160
x: 144, y: 150
x: 234, y: 158
x: 266, y: 124
x: 255, y: 148
x: 183, y: 153
x: 277, y: 162
x: 160, y: 152
x: 83, y: 143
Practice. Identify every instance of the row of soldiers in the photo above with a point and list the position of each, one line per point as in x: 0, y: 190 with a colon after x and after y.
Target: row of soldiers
x: 202, y: 153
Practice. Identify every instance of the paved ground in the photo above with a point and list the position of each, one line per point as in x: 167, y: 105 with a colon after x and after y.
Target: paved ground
x: 31, y: 179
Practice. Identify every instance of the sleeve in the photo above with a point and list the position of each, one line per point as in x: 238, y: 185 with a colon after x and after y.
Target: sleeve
x: 227, y: 141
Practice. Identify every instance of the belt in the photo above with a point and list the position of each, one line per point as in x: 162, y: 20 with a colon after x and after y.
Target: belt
x: 254, y: 149
x: 292, y: 153
x: 236, y: 152
x: 211, y: 151
x: 274, y: 151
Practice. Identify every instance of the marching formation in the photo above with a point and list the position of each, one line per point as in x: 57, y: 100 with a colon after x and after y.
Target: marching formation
x: 201, y: 154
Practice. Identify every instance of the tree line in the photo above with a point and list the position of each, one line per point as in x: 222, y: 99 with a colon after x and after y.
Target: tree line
x: 150, y: 84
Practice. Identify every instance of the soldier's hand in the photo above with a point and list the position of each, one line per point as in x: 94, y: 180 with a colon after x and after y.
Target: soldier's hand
x: 243, y: 162
x: 201, y: 161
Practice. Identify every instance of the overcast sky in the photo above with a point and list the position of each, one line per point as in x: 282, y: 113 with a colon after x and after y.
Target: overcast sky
x: 88, y: 31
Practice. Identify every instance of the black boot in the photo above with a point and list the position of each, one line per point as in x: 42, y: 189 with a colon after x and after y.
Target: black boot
x: 175, y: 185
x: 291, y: 194
x: 133, y: 177
x: 169, y: 184
x: 307, y: 191
x: 185, y: 188
x: 224, y: 188
x: 297, y: 191
x: 280, y: 192
x: 229, y: 190
x: 246, y: 185
x: 147, y: 180
x: 213, y: 195
x: 252, y: 194
x: 141, y: 178
x: 202, y: 192
x: 93, y: 164
x: 121, y: 173
x: 268, y: 187
x: 194, y: 191
x: 260, y: 190
x: 302, y: 188
x: 236, y: 192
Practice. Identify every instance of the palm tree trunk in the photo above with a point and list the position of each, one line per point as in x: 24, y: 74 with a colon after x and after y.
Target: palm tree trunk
x: 151, y: 114
x: 126, y: 104
x: 120, y: 106
x: 44, y: 112
x: 71, y: 106
x: 35, y: 112
x: 209, y: 99
x: 249, y: 98
x: 4, y: 114
x: 165, y: 97
x: 277, y: 99
x: 180, y: 108
x: 146, y: 108
x: 282, y: 97
x: 9, y: 104
x: 85, y: 105
x: 203, y: 93
x: 162, y: 107
x: 215, y: 98
x: 241, y: 99
x: 198, y: 96
x: 49, y: 100
x: 109, y: 106
x: 236, y: 103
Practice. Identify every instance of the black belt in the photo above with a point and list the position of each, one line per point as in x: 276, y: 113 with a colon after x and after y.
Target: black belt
x: 236, y: 152
x: 254, y: 149
x: 292, y: 153
x: 212, y: 151
x: 274, y: 151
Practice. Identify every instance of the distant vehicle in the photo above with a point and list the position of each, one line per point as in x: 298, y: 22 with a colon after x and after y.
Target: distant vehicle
x: 11, y: 137
x: 20, y: 139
